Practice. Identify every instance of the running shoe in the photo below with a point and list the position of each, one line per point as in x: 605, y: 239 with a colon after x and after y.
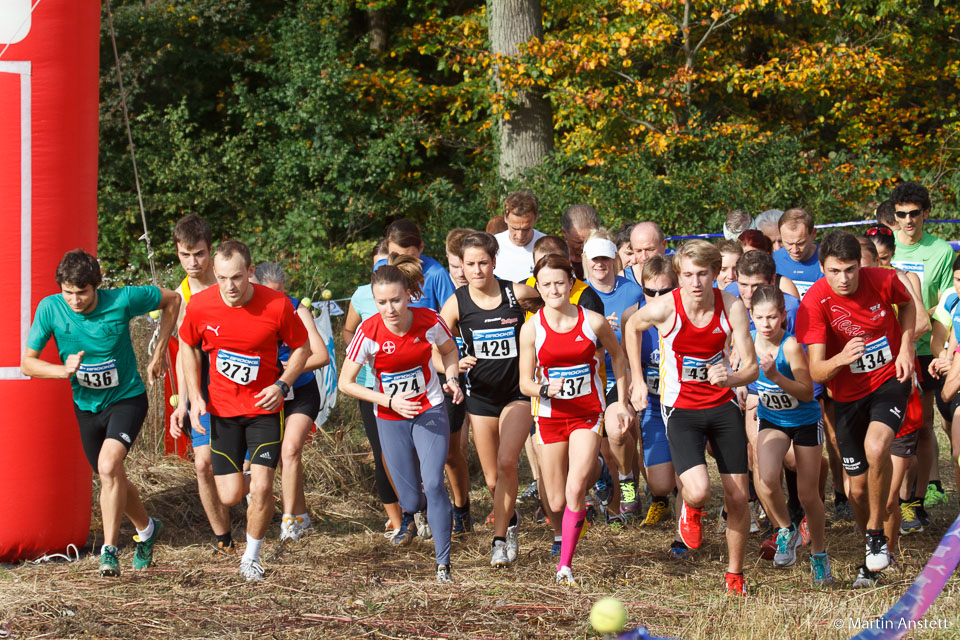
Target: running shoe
x: 628, y: 497
x: 143, y: 555
x: 489, y: 520
x: 109, y: 562
x: 679, y: 551
x: 423, y: 527
x: 565, y: 577
x: 288, y: 529
x: 721, y: 520
x: 443, y: 574
x: 735, y: 584
x: 842, y: 510
x: 498, y: 554
x: 768, y: 548
x: 865, y: 578
x: 555, y: 547
x: 689, y: 526
x: 787, y: 542
x: 530, y: 493
x: 616, y: 521
x: 754, y: 521
x: 603, y: 487
x: 302, y: 526
x: 407, y: 531
x: 804, y: 530
x: 390, y: 534
x: 590, y: 516
x: 224, y: 549
x: 659, y: 509
x: 934, y: 496
x: 877, y: 558
x: 462, y: 524
x: 909, y: 521
x: 513, y: 539
x: 820, y: 570
x: 540, y: 517
x: 251, y: 570
x: 921, y: 512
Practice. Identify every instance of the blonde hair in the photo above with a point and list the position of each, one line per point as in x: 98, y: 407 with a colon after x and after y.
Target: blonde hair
x: 606, y: 234
x: 403, y: 270
x: 700, y: 252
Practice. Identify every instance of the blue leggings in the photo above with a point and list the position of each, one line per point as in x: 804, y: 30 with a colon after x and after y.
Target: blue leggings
x: 415, y: 452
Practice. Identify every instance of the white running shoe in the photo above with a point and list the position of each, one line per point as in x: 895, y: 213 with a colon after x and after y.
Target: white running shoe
x: 877, y: 558
x: 565, y: 576
x: 288, y: 529
x: 498, y: 554
x: 787, y: 543
x: 251, y: 570
x: 423, y: 527
x: 513, y: 540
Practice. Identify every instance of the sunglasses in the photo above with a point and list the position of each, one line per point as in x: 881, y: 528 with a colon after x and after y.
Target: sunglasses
x: 653, y: 293
x: 913, y: 213
x: 879, y: 231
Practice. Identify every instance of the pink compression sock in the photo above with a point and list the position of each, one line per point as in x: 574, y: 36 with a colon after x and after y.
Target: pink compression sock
x: 571, y: 525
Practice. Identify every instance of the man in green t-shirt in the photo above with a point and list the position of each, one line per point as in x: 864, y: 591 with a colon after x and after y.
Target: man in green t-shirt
x: 92, y: 334
x: 932, y: 260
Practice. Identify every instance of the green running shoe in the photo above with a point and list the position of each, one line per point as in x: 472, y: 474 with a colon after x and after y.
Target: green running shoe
x: 143, y: 556
x: 934, y: 496
x: 109, y: 563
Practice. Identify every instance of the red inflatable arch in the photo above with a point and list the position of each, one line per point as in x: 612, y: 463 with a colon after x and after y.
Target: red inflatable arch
x: 49, y: 66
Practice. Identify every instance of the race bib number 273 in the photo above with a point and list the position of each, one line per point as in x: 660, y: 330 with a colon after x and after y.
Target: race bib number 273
x: 237, y: 367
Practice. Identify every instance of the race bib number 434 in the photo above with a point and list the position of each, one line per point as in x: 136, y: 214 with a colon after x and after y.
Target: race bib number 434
x: 695, y: 369
x: 237, y: 367
x: 575, y: 381
x: 102, y: 375
x: 407, y: 383
x: 494, y: 344
x: 875, y: 355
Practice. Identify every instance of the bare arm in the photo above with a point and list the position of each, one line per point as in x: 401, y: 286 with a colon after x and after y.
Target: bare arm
x: 823, y: 369
x: 649, y: 315
x: 31, y: 365
x: 740, y: 325
x: 907, y: 314
x: 951, y: 385
x: 801, y: 387
x: 169, y: 311
x: 350, y: 324
x: 787, y: 286
x: 318, y: 351
x: 529, y: 386
x: 912, y: 283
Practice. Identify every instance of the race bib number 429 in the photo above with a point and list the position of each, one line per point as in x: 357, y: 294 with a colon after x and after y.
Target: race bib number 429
x: 102, y: 375
x: 494, y: 344
x: 407, y: 383
x: 575, y: 380
x: 695, y: 369
x: 237, y: 367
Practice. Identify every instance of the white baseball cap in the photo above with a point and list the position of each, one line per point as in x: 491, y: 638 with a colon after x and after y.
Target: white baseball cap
x: 599, y: 248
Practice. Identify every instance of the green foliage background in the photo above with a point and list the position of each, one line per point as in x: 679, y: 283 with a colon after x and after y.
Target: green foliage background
x: 275, y: 121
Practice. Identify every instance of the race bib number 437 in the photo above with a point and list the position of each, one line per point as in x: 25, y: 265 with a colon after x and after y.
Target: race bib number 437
x: 237, y: 367
x: 695, y: 369
x: 102, y: 375
x: 407, y: 383
x: 575, y: 380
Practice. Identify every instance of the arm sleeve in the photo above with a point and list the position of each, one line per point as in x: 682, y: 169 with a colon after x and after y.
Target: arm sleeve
x: 141, y: 300
x: 941, y: 314
x: 439, y: 334
x: 896, y: 292
x: 40, y: 330
x: 443, y: 288
x: 810, y: 325
x: 292, y: 331
x: 189, y: 331
x: 361, y: 349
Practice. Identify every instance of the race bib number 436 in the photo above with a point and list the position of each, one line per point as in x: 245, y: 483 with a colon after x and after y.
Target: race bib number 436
x: 237, y: 367
x: 494, y: 344
x: 575, y: 380
x: 695, y: 369
x: 408, y: 383
x: 102, y: 375
x: 875, y: 355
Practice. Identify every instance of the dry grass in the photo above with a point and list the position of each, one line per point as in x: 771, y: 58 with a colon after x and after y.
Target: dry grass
x: 345, y: 581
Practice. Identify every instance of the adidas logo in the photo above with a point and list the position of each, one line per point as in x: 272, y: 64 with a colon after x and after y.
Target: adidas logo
x: 265, y: 455
x: 579, y: 339
x: 716, y: 330
x: 432, y: 423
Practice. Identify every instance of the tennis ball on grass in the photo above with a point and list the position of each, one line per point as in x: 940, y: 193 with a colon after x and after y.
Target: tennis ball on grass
x: 608, y: 615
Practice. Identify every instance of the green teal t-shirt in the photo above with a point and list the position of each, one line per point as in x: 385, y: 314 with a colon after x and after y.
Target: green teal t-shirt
x: 932, y: 260
x: 108, y: 369
x: 365, y: 307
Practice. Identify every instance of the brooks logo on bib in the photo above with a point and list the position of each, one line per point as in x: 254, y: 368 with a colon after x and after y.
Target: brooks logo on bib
x: 406, y: 382
x: 695, y: 369
x: 575, y: 380
x: 652, y: 376
x: 102, y: 375
x: 875, y: 355
x: 494, y: 344
x: 237, y: 367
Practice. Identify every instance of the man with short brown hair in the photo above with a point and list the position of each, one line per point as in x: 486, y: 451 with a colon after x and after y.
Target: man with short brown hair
x: 515, y: 257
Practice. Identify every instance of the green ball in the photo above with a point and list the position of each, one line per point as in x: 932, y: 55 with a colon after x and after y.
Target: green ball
x: 608, y: 615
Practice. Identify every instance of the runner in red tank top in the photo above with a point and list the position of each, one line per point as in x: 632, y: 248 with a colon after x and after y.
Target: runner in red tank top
x: 695, y: 325
x: 559, y: 364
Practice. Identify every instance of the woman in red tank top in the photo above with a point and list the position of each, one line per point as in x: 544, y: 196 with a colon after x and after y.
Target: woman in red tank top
x: 559, y: 362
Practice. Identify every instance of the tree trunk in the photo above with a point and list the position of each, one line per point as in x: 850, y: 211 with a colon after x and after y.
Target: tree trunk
x: 526, y: 138
x: 377, y: 21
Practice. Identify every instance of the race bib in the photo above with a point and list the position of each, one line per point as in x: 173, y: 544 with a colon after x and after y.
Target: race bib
x: 237, y: 367
x: 408, y: 383
x: 102, y: 375
x: 575, y: 381
x: 652, y: 377
x: 875, y: 355
x: 774, y: 398
x: 494, y: 344
x: 695, y: 369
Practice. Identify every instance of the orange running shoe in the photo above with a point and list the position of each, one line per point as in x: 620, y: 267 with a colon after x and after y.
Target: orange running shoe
x: 736, y: 584
x: 689, y: 526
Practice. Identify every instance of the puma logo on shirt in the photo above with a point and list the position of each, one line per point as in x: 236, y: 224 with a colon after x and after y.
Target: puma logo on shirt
x: 216, y: 330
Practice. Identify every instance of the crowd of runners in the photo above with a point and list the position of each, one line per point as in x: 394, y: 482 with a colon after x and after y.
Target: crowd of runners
x: 615, y: 369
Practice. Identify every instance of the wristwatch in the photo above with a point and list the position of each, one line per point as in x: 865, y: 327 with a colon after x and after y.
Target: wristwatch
x: 544, y: 391
x: 284, y: 387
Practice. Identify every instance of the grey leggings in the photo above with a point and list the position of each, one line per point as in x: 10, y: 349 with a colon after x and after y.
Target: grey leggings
x: 415, y: 452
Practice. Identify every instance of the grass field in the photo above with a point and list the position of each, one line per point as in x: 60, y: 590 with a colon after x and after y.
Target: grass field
x: 346, y: 581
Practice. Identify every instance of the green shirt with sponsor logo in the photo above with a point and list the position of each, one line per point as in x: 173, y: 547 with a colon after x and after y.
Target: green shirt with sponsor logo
x: 932, y: 260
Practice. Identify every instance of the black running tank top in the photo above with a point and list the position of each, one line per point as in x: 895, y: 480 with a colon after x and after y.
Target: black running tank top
x: 492, y: 337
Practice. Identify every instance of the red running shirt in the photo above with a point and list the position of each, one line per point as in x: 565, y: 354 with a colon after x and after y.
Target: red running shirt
x: 687, y: 352
x: 832, y: 320
x: 573, y: 357
x: 402, y: 364
x: 241, y: 343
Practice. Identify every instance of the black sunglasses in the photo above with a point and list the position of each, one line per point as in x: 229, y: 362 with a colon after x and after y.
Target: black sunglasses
x: 653, y: 293
x: 879, y: 231
x: 913, y: 213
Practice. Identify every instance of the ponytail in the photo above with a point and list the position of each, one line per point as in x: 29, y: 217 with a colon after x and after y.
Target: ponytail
x: 403, y: 270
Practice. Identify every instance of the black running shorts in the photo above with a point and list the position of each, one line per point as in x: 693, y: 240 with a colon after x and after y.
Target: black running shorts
x: 456, y: 413
x: 689, y: 430
x: 121, y: 421
x: 306, y: 400
x: 807, y: 435
x: 888, y: 405
x: 231, y: 439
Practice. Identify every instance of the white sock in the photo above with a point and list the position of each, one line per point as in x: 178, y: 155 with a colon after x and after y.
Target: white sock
x: 304, y: 519
x: 287, y: 520
x: 252, y: 552
x: 144, y: 534
x: 629, y: 476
